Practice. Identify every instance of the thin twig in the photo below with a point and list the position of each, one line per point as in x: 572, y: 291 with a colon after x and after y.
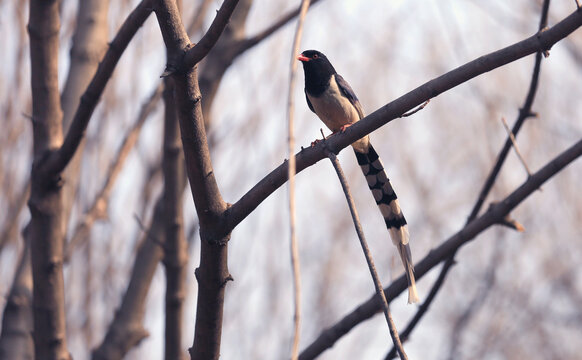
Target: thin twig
x: 512, y: 224
x: 412, y: 112
x: 147, y: 232
x: 515, y: 147
x: 255, y: 39
x: 99, y: 206
x: 207, y: 42
x: 127, y: 323
x: 443, y: 252
x: 295, y: 264
x: 198, y: 19
x: 387, y: 113
x: 425, y: 306
x: 11, y: 224
x: 92, y: 94
x: 524, y: 113
x: 478, y: 300
x: 377, y: 283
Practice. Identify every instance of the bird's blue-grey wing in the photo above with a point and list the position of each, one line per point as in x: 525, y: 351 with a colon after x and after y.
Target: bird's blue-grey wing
x: 348, y: 92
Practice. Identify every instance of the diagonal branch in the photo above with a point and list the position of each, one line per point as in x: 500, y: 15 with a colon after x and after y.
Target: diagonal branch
x: 126, y: 330
x: 376, y: 279
x: 524, y: 113
x: 207, y: 42
x: 230, y: 46
x: 425, y: 305
x: 539, y: 42
x: 207, y: 198
x: 255, y: 39
x: 127, y: 323
x: 212, y: 274
x: 99, y: 206
x: 477, y: 302
x: 59, y: 160
x: 515, y: 147
x: 10, y: 225
x: 494, y: 215
x: 17, y: 329
x: 198, y: 18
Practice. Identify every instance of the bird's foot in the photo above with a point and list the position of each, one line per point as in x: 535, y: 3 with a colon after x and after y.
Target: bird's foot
x: 342, y: 129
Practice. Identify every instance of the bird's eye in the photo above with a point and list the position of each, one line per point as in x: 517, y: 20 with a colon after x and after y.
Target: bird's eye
x: 315, y: 56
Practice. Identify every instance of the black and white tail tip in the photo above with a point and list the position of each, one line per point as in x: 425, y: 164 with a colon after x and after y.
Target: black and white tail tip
x: 387, y: 202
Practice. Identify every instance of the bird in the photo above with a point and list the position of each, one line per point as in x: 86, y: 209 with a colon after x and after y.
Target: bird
x: 332, y: 99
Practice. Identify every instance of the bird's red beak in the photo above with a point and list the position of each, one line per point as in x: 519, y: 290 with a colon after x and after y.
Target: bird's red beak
x: 302, y: 57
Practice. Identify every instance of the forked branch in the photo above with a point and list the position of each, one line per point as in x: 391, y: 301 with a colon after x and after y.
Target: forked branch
x: 368, y: 255
x: 538, y: 42
x: 492, y: 216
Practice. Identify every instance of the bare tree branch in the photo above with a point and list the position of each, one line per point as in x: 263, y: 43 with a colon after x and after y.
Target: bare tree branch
x: 209, y: 203
x: 309, y: 156
x: 295, y: 262
x: 13, y: 213
x: 207, y: 42
x: 477, y: 302
x: 175, y: 247
x: 126, y: 330
x: 128, y: 320
x: 212, y: 274
x: 17, y: 323
x: 198, y: 18
x: 492, y: 216
x: 255, y: 39
x: 59, y: 160
x: 89, y: 46
x: 524, y: 113
x: 231, y: 45
x: 515, y: 147
x: 375, y: 278
x: 98, y: 208
x: 425, y: 305
x: 412, y: 112
x: 46, y: 196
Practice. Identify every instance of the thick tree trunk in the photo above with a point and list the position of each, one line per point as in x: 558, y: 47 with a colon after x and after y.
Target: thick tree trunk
x: 175, y: 248
x: 47, y: 226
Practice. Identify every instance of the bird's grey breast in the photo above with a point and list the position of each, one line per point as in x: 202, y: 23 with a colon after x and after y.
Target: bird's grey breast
x: 333, y: 108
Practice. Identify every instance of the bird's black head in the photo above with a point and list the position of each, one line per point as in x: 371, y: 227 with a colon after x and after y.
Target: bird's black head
x: 318, y: 71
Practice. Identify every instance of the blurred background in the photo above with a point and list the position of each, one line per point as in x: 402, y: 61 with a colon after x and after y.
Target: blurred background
x: 511, y: 295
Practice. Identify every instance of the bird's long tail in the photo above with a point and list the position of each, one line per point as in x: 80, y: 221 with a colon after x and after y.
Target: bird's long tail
x: 387, y: 202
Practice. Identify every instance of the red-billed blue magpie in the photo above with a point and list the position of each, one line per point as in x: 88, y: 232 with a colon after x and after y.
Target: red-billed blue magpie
x: 332, y: 99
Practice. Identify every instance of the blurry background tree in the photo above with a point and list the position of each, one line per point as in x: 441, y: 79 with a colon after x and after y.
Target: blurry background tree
x: 510, y: 295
